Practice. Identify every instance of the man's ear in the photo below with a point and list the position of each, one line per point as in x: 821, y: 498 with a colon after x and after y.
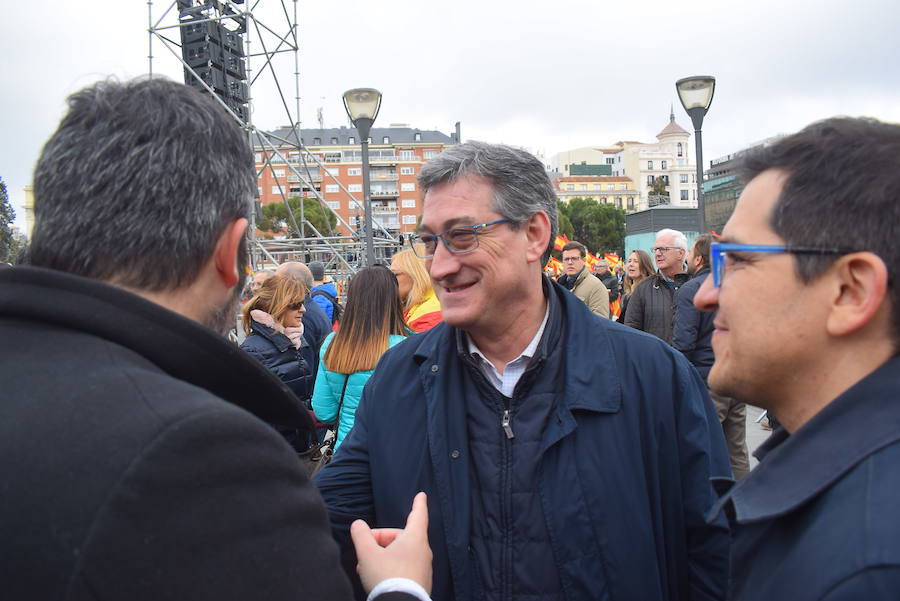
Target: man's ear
x: 537, y: 230
x: 861, y: 280
x: 225, y: 255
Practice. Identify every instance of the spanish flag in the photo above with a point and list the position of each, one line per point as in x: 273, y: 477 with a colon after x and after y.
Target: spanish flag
x: 561, y: 240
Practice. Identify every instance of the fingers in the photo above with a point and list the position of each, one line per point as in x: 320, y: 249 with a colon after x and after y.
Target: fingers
x: 417, y: 521
x: 363, y: 539
x: 385, y: 536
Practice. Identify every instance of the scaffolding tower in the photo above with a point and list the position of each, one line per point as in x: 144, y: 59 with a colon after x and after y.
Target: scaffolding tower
x: 228, y: 46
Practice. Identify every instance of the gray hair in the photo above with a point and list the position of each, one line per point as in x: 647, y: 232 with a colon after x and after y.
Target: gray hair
x: 521, y: 185
x: 679, y: 238
x: 138, y: 183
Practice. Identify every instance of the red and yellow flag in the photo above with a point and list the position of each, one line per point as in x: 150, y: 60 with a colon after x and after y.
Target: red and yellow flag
x: 560, y: 241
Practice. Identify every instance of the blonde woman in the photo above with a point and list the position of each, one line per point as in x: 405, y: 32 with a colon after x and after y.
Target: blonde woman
x: 421, y: 308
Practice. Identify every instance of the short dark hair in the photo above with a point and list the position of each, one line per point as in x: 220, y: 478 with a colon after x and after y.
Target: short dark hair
x: 521, y: 185
x: 575, y: 246
x: 138, y: 183
x: 837, y: 169
x: 701, y: 247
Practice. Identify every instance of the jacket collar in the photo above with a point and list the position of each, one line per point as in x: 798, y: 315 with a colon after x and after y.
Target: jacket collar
x: 279, y: 340
x: 178, y: 346
x: 571, y: 324
x: 796, y: 468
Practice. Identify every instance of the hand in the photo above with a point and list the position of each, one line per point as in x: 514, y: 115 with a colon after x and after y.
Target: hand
x: 394, y: 553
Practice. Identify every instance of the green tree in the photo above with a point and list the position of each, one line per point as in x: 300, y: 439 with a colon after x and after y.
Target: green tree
x: 276, y: 218
x: 565, y: 226
x: 7, y: 215
x: 600, y: 227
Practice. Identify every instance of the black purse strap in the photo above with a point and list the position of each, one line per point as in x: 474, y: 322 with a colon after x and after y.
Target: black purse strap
x: 337, y: 420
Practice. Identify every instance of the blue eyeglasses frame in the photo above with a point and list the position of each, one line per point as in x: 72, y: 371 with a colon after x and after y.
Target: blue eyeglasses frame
x: 718, y: 252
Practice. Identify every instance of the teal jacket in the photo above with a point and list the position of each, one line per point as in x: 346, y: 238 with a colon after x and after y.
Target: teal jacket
x: 327, y: 391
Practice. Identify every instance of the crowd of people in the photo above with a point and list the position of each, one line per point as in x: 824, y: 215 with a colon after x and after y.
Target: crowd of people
x: 522, y: 445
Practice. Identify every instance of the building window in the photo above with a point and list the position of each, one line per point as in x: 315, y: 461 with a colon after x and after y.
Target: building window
x: 409, y: 220
x: 649, y: 164
x: 631, y: 203
x: 662, y: 165
x: 407, y: 170
x: 354, y: 170
x: 618, y: 202
x: 680, y: 150
x: 331, y: 187
x: 408, y: 203
x: 665, y: 178
x: 407, y: 155
x: 582, y: 186
x: 597, y: 186
x: 277, y: 189
x: 334, y: 141
x: 684, y: 195
x: 623, y: 186
x: 386, y: 140
x: 317, y: 141
x: 430, y: 154
x: 355, y: 187
x: 278, y: 172
x: 334, y: 204
x: 258, y: 191
x: 417, y: 136
x: 611, y: 161
x: 259, y: 158
x: 335, y: 171
x: 570, y: 187
x: 603, y: 200
x: 683, y: 178
x: 649, y: 180
x: 351, y: 140
x: 408, y: 187
x: 610, y: 186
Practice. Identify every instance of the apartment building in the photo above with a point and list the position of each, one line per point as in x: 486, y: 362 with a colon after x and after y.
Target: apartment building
x: 396, y: 154
x: 619, y: 191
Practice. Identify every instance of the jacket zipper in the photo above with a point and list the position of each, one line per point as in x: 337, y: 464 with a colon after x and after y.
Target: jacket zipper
x: 504, y: 423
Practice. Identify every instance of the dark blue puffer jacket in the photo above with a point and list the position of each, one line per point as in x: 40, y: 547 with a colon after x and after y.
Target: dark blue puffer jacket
x: 279, y: 356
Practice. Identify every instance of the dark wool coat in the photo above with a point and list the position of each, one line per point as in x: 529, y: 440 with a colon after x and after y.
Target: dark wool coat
x: 135, y: 461
x: 623, y: 473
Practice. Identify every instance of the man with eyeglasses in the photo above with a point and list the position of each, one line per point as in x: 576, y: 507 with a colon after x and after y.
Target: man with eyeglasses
x: 579, y: 280
x: 564, y: 456
x: 819, y: 517
x: 652, y: 304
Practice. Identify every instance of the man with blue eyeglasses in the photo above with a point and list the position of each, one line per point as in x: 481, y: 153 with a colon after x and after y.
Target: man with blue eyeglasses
x: 564, y: 456
x: 819, y: 517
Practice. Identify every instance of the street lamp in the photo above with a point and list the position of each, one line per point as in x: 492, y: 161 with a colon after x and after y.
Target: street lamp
x: 696, y: 94
x: 362, y: 106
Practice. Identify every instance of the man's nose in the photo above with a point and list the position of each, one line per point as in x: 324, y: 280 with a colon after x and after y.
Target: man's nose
x: 707, y: 297
x: 442, y: 263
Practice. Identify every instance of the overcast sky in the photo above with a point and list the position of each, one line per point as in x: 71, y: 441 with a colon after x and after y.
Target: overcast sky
x: 548, y: 76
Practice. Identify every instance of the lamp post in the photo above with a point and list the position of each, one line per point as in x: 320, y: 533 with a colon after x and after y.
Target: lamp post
x: 362, y: 106
x: 696, y: 94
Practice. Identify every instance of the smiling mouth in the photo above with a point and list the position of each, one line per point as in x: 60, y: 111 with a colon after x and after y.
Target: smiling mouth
x: 452, y: 289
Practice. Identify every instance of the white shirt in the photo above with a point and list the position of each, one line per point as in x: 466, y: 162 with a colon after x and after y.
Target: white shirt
x: 506, y: 382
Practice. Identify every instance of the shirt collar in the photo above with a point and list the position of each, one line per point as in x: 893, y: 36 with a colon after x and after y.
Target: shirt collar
x: 529, y: 351
x: 795, y: 468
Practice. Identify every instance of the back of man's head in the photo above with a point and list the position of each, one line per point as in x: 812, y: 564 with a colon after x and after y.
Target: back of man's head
x: 317, y: 268
x: 841, y: 191
x: 521, y: 185
x: 138, y: 183
x: 701, y: 249
x: 298, y: 270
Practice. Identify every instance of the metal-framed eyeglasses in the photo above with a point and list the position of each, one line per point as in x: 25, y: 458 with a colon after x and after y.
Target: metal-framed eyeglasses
x: 458, y: 240
x: 718, y: 254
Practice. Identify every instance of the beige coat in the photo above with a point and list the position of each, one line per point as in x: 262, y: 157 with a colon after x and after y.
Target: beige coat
x: 592, y: 291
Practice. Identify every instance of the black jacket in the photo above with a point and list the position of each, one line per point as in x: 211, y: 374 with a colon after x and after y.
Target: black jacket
x: 692, y: 329
x: 278, y: 355
x: 651, y: 306
x: 135, y: 459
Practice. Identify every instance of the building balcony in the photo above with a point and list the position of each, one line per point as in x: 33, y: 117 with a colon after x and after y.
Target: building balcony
x: 383, y: 177
x: 314, y: 176
x: 385, y: 193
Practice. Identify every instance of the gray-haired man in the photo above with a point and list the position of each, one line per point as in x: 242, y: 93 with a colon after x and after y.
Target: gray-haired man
x: 544, y: 434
